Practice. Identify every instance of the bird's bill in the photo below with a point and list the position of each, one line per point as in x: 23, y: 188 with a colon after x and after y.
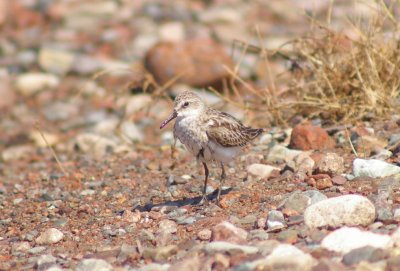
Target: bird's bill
x: 171, y: 117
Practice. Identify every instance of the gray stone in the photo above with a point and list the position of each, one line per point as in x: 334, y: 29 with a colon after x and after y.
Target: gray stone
x: 348, y: 210
x: 222, y: 246
x: 94, y: 264
x: 50, y: 236
x: 367, y: 253
x: 384, y: 214
x: 275, y: 220
x: 46, y: 259
x: 37, y: 250
x: 299, y: 201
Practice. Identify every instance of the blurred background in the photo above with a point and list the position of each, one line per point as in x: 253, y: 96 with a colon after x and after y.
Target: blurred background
x: 79, y: 73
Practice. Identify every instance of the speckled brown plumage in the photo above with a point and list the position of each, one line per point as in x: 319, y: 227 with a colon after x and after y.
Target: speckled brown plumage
x: 210, y: 135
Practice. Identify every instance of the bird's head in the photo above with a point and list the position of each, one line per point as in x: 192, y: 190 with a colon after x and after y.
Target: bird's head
x: 186, y: 104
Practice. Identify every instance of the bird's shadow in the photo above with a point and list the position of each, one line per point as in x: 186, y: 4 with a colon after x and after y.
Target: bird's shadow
x: 182, y: 202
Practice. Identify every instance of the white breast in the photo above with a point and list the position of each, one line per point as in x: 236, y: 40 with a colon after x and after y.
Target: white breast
x: 195, y: 138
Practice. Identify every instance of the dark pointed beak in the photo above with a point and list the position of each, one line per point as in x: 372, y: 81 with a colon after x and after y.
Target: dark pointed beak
x: 171, y: 117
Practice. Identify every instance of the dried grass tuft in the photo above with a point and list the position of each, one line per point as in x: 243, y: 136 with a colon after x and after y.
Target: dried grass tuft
x: 336, y: 77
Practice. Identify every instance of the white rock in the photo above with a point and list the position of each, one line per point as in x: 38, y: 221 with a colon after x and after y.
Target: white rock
x: 260, y: 170
x: 374, y: 168
x: 279, y: 153
x: 30, y: 83
x: 282, y: 257
x: 350, y: 210
x: 94, y: 264
x: 50, y: 236
x: 346, y: 239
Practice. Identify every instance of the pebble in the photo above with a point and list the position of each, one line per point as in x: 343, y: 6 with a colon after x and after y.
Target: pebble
x: 298, y: 201
x: 36, y: 250
x: 50, y: 236
x: 46, y: 259
x: 348, y: 210
x: 55, y: 60
x: 288, y: 236
x: 222, y: 246
x: 94, y: 264
x: 275, y: 220
x: 131, y: 131
x: 21, y: 247
x: 396, y: 237
x: 282, y: 257
x: 30, y: 83
x: 15, y: 153
x: 346, y: 239
x: 367, y: 253
x: 261, y: 170
x: 204, y: 234
x: 160, y: 253
x: 374, y: 168
x: 279, y: 153
x: 59, y: 111
x: 331, y: 164
x: 308, y: 137
x: 226, y: 231
x: 167, y: 226
x: 94, y: 144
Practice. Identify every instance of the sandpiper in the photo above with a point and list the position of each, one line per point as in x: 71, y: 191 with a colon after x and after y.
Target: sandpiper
x: 208, y: 134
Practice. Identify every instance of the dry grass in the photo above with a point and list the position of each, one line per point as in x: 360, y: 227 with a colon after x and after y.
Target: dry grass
x: 338, y: 78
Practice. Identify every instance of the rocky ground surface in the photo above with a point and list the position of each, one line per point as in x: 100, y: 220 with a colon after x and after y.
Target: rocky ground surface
x: 108, y: 195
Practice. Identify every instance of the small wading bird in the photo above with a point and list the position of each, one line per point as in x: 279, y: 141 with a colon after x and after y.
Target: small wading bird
x: 208, y: 134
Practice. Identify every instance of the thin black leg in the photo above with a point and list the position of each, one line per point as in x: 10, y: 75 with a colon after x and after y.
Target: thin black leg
x: 223, y: 176
x: 204, y: 198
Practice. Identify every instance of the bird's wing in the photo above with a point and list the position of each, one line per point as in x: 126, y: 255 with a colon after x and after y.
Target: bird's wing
x: 228, y: 131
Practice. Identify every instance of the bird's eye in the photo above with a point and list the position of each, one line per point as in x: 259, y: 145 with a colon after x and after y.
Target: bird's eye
x: 185, y: 104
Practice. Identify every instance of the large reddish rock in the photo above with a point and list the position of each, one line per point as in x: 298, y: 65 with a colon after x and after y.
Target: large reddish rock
x: 197, y: 62
x: 308, y: 137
